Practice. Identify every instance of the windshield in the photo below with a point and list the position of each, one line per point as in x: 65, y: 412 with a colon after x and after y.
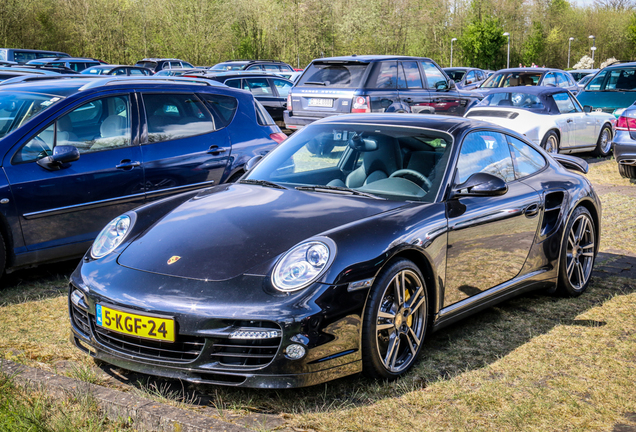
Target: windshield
x: 17, y: 108
x: 228, y: 66
x: 389, y: 162
x: 454, y: 74
x: 515, y: 100
x: 617, y: 79
x: 586, y: 79
x: 512, y: 79
x: 343, y: 74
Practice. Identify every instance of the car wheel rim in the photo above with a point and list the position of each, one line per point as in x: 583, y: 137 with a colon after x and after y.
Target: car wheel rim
x: 551, y: 145
x: 401, y: 321
x: 580, y: 252
x: 605, y: 141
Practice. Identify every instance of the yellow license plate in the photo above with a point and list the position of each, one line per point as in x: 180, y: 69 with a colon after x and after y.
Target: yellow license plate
x: 143, y: 326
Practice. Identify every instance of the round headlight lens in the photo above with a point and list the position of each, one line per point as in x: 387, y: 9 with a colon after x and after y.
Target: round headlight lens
x: 301, y: 266
x: 111, y: 236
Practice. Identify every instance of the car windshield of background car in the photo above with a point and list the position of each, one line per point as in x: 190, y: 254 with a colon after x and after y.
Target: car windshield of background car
x: 17, y: 108
x: 512, y: 79
x: 455, y: 75
x: 515, y: 100
x: 228, y: 66
x: 343, y: 155
x: 347, y: 75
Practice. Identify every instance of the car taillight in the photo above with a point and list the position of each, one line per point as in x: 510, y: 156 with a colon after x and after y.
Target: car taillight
x: 279, y: 137
x: 289, y: 104
x: 626, y: 124
x: 361, y: 105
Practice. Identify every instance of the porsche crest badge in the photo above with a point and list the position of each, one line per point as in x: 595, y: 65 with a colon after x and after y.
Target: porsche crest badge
x: 174, y: 259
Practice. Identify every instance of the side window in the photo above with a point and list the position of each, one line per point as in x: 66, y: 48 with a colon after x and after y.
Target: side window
x: 401, y: 77
x: 119, y: 71
x: 254, y: 67
x: 59, y: 64
x: 222, y: 108
x: 134, y: 72
x: 433, y: 75
x: 282, y: 86
x: 485, y: 152
x: 102, y: 124
x: 526, y: 159
x: 174, y: 116
x: 262, y: 116
x: 386, y: 77
x: 175, y: 64
x: 549, y: 80
x: 564, y: 103
x: 259, y: 86
x: 235, y: 83
x: 271, y: 68
x: 470, y: 77
x: 562, y: 80
x: 412, y: 72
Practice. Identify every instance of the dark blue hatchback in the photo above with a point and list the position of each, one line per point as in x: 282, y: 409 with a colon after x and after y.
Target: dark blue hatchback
x: 78, y: 152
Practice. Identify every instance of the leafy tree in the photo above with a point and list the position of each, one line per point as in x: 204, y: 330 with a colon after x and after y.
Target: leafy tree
x: 481, y: 43
x: 534, y: 47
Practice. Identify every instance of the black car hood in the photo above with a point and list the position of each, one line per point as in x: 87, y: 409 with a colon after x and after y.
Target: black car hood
x: 224, y: 233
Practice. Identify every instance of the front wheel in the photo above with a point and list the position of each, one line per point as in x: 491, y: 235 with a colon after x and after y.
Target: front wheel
x: 395, y: 321
x: 550, y: 142
x: 604, y: 142
x: 578, y: 252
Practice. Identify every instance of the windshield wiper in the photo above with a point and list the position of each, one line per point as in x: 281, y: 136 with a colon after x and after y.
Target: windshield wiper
x: 337, y: 189
x: 262, y: 183
x: 315, y: 83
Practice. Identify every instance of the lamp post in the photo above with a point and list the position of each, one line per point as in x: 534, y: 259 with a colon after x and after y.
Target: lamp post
x: 593, y: 47
x: 569, y: 46
x: 508, y: 57
x: 452, y: 40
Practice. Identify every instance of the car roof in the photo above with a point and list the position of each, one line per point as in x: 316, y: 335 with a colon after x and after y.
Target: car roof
x: 241, y: 74
x: 583, y: 70
x: 460, y: 68
x: 51, y: 59
x: 28, y: 71
x: 367, y: 58
x: 529, y: 69
x: 66, y: 85
x: 620, y: 65
x: 156, y: 59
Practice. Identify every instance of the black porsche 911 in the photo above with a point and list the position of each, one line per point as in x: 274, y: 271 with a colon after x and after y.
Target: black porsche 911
x: 313, y: 267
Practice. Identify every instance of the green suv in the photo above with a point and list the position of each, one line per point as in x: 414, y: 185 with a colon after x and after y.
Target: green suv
x: 612, y: 90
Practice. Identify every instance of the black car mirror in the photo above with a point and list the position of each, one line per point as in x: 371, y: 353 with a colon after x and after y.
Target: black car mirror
x: 253, y: 162
x: 587, y: 108
x: 441, y: 85
x: 480, y: 184
x: 62, y: 155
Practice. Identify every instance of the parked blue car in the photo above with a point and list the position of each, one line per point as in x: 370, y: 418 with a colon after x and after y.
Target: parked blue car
x: 78, y: 152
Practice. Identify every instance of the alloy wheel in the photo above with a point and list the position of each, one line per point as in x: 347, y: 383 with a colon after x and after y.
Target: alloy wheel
x: 401, y: 321
x: 580, y: 251
x: 551, y: 145
x: 606, y: 141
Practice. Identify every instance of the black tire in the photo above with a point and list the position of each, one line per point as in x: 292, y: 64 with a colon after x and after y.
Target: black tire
x: 391, y: 350
x: 604, y: 142
x: 550, y: 142
x: 578, y: 252
x: 627, y: 171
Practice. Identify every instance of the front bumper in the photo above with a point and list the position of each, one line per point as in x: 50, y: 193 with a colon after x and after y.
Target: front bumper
x: 331, y: 339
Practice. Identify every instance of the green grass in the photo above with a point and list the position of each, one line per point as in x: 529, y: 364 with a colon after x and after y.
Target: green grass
x: 535, y: 363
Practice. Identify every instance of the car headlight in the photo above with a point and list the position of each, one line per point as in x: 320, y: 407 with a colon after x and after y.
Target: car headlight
x: 111, y: 236
x: 303, y: 264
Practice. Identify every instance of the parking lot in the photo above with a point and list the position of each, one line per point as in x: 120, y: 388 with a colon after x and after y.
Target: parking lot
x: 533, y: 363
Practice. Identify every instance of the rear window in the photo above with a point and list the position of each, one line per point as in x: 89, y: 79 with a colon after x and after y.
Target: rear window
x: 455, y: 75
x: 515, y: 100
x: 344, y: 74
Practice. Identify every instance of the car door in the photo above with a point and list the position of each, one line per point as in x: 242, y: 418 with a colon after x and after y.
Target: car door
x: 489, y: 238
x: 382, y: 87
x: 586, y: 127
x: 411, y: 88
x: 567, y: 119
x: 262, y: 90
x: 183, y: 146
x: 444, y: 100
x: 70, y: 205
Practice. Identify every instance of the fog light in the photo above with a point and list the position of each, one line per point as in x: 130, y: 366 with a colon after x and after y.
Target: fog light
x: 295, y: 351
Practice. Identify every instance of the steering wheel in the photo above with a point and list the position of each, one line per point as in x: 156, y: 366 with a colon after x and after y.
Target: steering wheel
x: 418, y: 178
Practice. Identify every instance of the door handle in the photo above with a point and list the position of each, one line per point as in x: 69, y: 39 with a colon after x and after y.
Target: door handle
x: 214, y: 150
x: 570, y: 120
x: 532, y: 210
x: 408, y: 100
x: 127, y: 164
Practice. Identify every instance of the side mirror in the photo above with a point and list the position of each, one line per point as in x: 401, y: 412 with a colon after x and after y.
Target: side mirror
x: 442, y: 85
x: 61, y: 156
x: 480, y: 184
x: 253, y: 162
x: 587, y: 108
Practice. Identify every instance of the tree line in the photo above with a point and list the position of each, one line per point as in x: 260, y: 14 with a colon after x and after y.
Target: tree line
x: 205, y: 32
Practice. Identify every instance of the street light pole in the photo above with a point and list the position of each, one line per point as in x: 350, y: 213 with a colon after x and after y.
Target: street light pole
x: 569, y: 46
x: 452, y: 40
x: 508, y: 57
x: 593, y: 47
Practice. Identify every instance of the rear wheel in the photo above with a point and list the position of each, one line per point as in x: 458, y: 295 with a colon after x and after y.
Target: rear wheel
x: 604, y: 143
x: 578, y: 252
x: 627, y: 171
x: 550, y: 142
x: 395, y: 321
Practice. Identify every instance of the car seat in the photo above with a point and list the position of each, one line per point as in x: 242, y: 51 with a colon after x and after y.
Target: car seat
x: 381, y: 156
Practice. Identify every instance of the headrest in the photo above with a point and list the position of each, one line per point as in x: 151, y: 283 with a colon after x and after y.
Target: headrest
x: 362, y: 144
